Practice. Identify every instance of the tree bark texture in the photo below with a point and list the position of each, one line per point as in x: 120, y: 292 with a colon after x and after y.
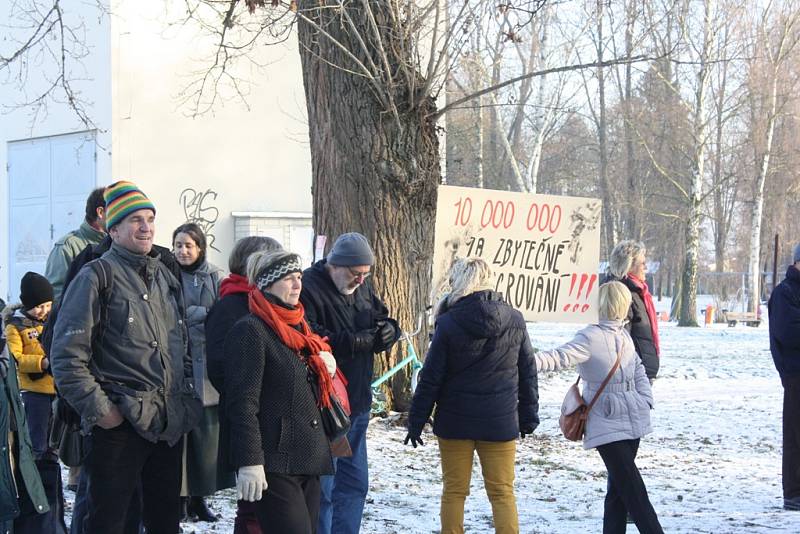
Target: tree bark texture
x: 370, y: 170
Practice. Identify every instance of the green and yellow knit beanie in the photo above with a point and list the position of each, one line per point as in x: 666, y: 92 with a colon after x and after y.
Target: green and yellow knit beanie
x: 122, y: 199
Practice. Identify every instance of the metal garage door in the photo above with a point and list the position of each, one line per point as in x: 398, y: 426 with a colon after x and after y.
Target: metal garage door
x: 49, y: 180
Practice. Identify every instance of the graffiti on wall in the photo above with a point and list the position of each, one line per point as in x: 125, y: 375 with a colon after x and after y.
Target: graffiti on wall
x: 198, y: 208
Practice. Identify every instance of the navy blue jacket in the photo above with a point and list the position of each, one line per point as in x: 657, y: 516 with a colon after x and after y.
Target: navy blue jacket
x: 784, y: 324
x: 479, y: 372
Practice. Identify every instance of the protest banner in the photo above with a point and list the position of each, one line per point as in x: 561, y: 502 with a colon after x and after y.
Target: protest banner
x: 543, y: 249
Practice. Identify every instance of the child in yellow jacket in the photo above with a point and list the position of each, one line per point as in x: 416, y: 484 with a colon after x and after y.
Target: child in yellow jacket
x: 23, y: 325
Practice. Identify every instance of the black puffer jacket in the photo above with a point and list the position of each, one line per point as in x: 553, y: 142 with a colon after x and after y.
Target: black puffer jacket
x: 480, y: 372
x: 341, y: 318
x: 270, y: 406
x: 639, y: 327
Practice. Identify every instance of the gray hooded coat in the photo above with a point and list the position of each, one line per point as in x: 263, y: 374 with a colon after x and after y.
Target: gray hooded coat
x: 623, y: 409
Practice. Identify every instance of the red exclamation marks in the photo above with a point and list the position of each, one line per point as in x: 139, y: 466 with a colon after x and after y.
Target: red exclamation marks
x: 588, y: 291
x: 571, y: 287
x: 584, y: 279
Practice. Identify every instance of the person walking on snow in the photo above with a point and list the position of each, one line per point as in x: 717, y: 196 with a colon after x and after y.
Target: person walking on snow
x: 784, y: 343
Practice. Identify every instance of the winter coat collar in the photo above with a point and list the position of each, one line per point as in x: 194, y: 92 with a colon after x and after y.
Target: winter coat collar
x: 90, y: 234
x: 320, y: 269
x: 484, y: 313
x: 137, y: 261
x: 15, y: 313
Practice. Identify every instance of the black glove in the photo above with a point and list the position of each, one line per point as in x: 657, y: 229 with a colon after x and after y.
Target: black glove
x: 385, y: 336
x: 413, y: 438
x: 526, y: 430
x: 364, y: 340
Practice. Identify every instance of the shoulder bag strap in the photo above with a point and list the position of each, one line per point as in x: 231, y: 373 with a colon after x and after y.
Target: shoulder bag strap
x: 605, y: 382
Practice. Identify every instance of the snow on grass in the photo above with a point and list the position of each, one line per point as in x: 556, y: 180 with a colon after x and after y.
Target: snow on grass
x: 712, y: 464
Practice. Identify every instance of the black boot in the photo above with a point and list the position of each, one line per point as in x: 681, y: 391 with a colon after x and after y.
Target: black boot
x: 197, y: 507
x: 184, y: 511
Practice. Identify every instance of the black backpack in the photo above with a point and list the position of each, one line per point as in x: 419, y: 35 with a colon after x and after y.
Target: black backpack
x: 87, y: 255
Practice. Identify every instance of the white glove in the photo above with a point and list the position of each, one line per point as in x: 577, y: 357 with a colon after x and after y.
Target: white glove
x: 330, y: 361
x: 251, y: 482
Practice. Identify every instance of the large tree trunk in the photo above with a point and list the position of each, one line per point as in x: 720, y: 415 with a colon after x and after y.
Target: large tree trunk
x: 688, y: 309
x: 371, y: 169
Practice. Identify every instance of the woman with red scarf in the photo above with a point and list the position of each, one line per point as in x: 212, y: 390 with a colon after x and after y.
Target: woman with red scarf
x: 628, y: 264
x: 277, y: 375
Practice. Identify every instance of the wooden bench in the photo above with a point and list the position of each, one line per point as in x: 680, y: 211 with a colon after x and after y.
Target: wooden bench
x: 748, y: 318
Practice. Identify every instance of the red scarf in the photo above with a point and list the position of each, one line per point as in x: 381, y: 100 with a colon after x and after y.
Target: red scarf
x: 649, y: 307
x: 235, y: 283
x: 282, y: 321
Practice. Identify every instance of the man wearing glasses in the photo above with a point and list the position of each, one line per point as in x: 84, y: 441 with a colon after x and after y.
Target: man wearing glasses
x: 340, y: 305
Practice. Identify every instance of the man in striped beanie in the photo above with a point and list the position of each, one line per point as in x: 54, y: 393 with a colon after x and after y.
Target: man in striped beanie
x: 123, y: 313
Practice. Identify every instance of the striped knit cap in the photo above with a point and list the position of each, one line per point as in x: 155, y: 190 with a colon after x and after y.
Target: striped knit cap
x: 274, y: 272
x: 122, y: 199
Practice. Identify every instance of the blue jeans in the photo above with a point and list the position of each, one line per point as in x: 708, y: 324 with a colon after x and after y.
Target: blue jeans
x: 38, y: 411
x: 342, y: 495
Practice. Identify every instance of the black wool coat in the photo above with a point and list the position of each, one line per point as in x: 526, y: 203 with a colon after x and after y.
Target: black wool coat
x: 271, y: 408
x: 339, y: 318
x: 479, y: 372
x: 219, y: 321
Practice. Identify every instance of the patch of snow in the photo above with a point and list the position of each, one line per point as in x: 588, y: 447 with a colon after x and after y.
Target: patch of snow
x: 712, y: 464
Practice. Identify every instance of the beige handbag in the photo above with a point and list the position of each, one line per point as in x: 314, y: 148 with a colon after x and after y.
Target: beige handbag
x: 575, y: 412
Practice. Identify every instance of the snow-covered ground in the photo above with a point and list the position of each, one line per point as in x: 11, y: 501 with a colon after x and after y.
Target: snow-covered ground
x: 712, y: 465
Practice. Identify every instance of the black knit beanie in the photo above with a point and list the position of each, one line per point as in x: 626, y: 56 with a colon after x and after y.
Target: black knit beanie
x: 34, y: 289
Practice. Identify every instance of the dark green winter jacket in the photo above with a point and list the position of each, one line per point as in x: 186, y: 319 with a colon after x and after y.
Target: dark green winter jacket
x: 12, y: 420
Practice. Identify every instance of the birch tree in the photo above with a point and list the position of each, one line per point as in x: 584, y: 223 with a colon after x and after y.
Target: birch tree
x: 775, y: 38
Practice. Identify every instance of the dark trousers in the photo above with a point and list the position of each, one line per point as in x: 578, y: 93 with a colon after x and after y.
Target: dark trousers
x: 626, y: 490
x: 38, y: 412
x: 290, y: 504
x: 80, y: 509
x: 119, y: 460
x: 791, y: 437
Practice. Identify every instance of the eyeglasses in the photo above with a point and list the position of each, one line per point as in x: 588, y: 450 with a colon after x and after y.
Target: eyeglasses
x: 363, y: 275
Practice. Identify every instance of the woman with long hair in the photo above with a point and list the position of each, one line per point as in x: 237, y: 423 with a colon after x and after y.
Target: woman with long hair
x: 200, y: 281
x: 480, y: 375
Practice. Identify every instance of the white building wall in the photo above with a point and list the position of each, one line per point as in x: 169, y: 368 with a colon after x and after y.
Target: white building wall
x: 243, y: 158
x: 235, y: 158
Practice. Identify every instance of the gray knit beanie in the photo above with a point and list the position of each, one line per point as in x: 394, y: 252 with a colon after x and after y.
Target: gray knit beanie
x: 796, y: 254
x: 351, y: 249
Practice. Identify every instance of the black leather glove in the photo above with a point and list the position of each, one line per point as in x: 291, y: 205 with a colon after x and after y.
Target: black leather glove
x: 526, y: 430
x: 385, y: 336
x: 413, y: 438
x: 364, y: 340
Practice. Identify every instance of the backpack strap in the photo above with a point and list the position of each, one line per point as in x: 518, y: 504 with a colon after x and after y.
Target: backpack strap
x: 102, y: 269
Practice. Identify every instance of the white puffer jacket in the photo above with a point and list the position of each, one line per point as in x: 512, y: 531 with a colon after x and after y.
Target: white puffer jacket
x: 623, y: 409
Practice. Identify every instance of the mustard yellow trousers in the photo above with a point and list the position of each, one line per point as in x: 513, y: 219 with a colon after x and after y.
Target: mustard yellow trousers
x: 497, y: 466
